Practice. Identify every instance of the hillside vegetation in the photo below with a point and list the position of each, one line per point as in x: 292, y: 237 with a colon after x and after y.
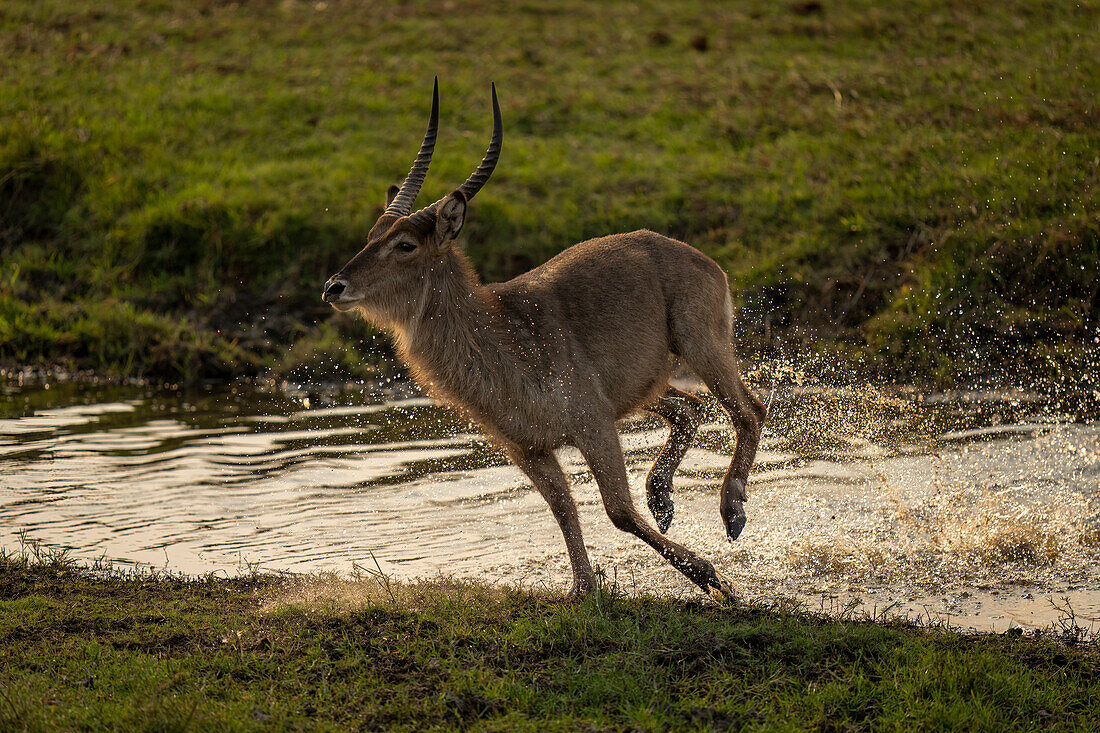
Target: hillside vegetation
x: 907, y: 184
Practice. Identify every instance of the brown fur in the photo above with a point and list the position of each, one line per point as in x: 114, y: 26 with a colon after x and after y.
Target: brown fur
x: 559, y: 353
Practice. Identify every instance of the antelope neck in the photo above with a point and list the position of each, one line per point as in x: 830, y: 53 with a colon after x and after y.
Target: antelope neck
x: 457, y: 343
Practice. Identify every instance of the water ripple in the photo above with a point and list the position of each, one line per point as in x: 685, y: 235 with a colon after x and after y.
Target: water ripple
x: 854, y: 496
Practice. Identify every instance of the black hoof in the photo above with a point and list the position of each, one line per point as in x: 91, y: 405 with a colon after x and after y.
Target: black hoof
x: 735, y: 520
x: 660, y: 505
x: 721, y: 589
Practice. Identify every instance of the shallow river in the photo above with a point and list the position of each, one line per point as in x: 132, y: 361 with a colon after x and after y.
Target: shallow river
x: 979, y: 509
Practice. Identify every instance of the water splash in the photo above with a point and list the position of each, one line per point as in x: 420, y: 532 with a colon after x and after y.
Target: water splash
x: 965, y: 503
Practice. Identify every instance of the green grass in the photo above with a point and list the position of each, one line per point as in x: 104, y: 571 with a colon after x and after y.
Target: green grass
x: 915, y: 183
x: 117, y: 651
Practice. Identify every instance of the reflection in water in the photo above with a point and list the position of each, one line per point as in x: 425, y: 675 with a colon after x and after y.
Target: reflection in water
x: 982, y: 507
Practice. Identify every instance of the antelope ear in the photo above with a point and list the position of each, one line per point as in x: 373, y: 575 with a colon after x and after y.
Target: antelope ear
x: 391, y: 194
x: 449, y: 218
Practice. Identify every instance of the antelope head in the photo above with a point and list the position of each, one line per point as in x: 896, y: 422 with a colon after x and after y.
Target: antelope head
x: 390, y: 273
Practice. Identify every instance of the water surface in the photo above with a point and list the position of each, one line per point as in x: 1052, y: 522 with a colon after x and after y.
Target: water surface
x: 980, y: 508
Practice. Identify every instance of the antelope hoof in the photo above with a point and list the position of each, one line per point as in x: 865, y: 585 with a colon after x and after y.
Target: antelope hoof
x: 720, y: 588
x: 733, y: 508
x: 735, y: 519
x: 660, y: 505
x: 582, y: 588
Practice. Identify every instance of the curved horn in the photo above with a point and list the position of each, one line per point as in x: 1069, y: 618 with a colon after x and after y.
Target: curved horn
x: 403, y: 201
x: 478, y: 178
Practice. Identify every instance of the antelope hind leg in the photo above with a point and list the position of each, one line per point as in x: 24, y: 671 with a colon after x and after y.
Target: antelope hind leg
x: 682, y: 411
x: 716, y: 365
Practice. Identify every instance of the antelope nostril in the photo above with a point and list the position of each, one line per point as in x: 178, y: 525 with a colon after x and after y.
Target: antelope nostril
x: 333, y: 290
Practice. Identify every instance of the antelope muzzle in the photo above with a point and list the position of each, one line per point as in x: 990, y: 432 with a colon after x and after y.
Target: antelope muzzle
x: 335, y: 290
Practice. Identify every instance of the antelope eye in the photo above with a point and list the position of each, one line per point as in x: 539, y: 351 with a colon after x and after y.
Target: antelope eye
x: 406, y: 246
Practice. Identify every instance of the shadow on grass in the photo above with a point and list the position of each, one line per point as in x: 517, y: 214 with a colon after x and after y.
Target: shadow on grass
x: 109, y: 648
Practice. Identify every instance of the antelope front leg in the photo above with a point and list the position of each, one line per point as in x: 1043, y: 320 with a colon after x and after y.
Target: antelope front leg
x: 681, y: 411
x: 602, y: 451
x: 545, y: 473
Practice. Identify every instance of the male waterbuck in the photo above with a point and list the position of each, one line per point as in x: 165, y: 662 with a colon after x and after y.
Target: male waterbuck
x: 558, y: 354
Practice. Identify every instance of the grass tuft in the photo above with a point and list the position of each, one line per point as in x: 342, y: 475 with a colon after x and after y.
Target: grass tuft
x: 112, y: 649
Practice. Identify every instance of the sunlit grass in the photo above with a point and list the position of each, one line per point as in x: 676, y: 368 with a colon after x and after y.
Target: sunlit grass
x: 919, y: 181
x: 126, y: 650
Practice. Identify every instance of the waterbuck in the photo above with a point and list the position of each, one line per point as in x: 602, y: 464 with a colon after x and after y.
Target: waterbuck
x: 558, y: 354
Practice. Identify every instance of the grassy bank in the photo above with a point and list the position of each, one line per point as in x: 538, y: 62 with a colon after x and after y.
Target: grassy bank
x: 84, y: 651
x: 913, y: 184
